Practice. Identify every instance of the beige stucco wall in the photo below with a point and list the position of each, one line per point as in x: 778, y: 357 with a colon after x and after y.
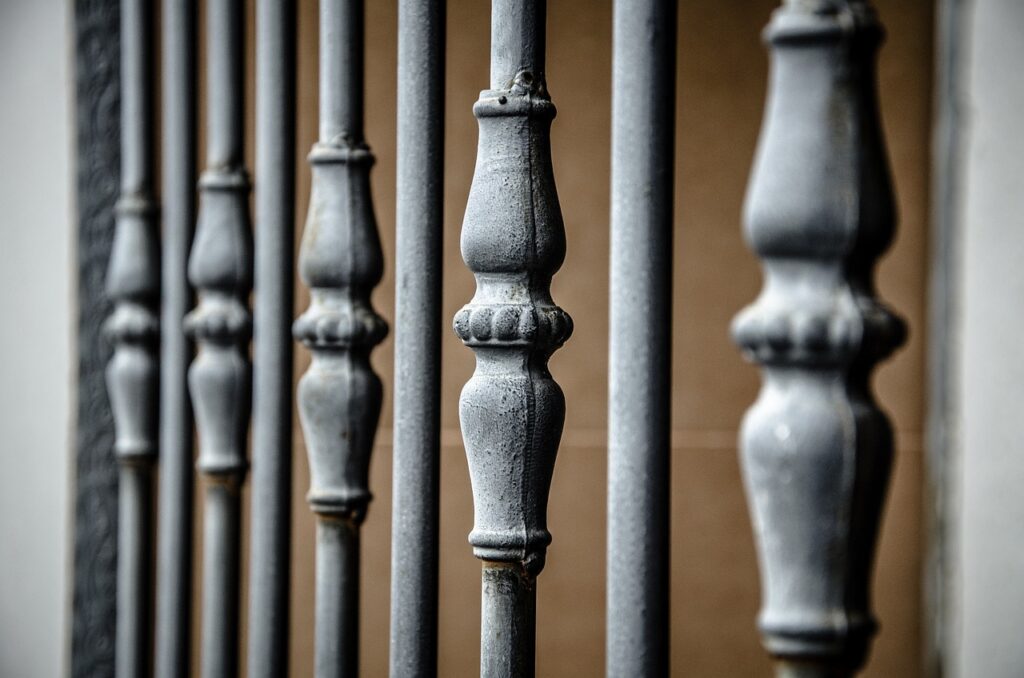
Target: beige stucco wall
x: 722, y: 69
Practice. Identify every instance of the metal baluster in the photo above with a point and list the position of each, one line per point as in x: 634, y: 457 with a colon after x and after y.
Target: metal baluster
x: 512, y: 410
x: 816, y: 448
x: 419, y: 227
x: 640, y: 375
x: 174, y: 533
x: 133, y: 282
x: 340, y: 396
x: 220, y: 378
x: 272, y: 343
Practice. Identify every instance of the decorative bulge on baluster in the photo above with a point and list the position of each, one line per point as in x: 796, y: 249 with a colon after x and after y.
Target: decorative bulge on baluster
x: 340, y: 396
x: 513, y: 240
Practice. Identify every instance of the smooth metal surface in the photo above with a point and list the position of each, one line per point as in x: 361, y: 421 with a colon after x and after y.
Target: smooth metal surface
x: 419, y: 236
x: 508, y: 620
x: 640, y: 343
x: 339, y: 396
x: 337, y: 595
x: 816, y: 449
x: 220, y: 379
x: 513, y: 241
x: 133, y: 283
x: 270, y: 529
x: 178, y: 153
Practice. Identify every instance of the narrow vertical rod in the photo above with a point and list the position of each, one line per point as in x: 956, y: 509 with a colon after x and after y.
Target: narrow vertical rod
x: 220, y: 583
x: 419, y: 233
x: 135, y: 496
x: 508, y: 621
x: 133, y: 283
x: 640, y: 388
x: 340, y: 396
x: 272, y: 345
x: 178, y: 152
x: 518, y: 40
x: 341, y: 69
x: 220, y: 378
x: 337, y: 595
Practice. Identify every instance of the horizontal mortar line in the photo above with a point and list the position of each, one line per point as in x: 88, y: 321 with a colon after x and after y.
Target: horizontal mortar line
x: 691, y: 439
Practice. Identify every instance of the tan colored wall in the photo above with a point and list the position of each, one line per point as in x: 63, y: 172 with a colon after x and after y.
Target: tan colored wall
x: 720, y: 97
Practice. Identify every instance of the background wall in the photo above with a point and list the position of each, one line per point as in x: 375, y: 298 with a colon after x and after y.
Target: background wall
x: 36, y: 278
x: 714, y: 586
x: 988, y: 553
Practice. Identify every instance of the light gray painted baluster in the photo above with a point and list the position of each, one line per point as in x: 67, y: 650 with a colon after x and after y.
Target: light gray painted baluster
x: 133, y: 282
x: 339, y: 395
x: 816, y: 448
x: 220, y: 378
x: 512, y: 410
x: 272, y: 343
x: 419, y: 227
x: 640, y: 374
x: 174, y: 533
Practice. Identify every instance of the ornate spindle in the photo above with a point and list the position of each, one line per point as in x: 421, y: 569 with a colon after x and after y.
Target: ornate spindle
x: 640, y: 349
x: 133, y: 282
x: 174, y: 533
x: 419, y: 226
x: 816, y: 448
x: 340, y: 396
x: 512, y: 410
x: 272, y: 343
x: 220, y: 377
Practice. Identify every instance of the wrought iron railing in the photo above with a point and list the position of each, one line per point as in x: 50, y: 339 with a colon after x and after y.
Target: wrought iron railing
x: 816, y: 449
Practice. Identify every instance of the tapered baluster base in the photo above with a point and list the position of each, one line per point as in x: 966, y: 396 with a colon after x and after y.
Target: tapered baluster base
x: 791, y: 669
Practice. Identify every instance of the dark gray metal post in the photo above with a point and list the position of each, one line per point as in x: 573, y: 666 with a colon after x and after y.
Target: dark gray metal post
x: 220, y: 378
x: 816, y: 449
x: 133, y: 282
x: 640, y: 374
x: 178, y: 151
x: 272, y: 343
x: 339, y: 395
x: 512, y: 410
x: 419, y: 230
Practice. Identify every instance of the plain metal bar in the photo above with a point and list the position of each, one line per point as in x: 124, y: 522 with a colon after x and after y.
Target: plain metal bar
x: 640, y: 344
x: 270, y: 529
x: 419, y: 233
x: 133, y: 283
x: 511, y: 410
x: 174, y: 516
x: 337, y: 598
x: 508, y: 620
x: 220, y: 378
x: 340, y: 396
x: 816, y: 449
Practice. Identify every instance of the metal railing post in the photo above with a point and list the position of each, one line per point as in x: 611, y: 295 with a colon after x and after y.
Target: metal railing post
x: 220, y: 379
x: 271, y: 483
x: 640, y: 342
x: 174, y: 519
x: 816, y: 449
x: 419, y: 230
x: 133, y: 282
x: 339, y: 395
x: 511, y: 410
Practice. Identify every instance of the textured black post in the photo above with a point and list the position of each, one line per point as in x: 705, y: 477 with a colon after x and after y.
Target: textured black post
x: 220, y: 378
x: 174, y: 533
x: 640, y: 372
x: 339, y: 395
x: 272, y: 343
x: 133, y: 282
x: 419, y: 231
x: 816, y: 448
x: 512, y: 410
